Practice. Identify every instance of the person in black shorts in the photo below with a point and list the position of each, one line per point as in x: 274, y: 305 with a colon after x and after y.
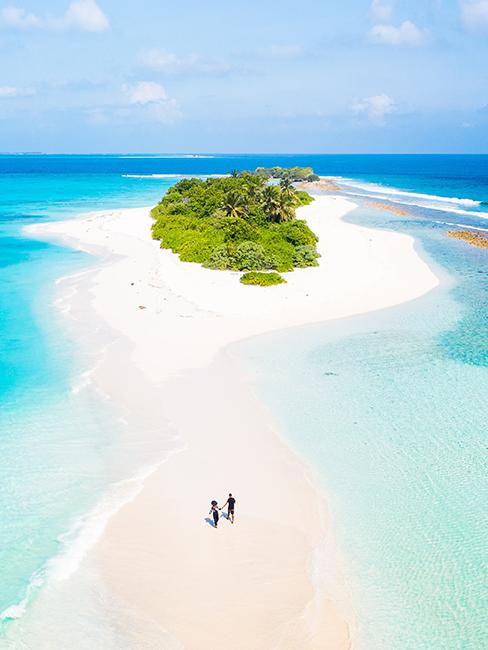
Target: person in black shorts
x: 231, y: 502
x: 214, y: 511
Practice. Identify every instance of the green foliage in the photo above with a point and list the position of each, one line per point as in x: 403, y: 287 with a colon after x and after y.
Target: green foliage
x: 249, y: 256
x: 292, y: 174
x: 237, y: 222
x: 220, y: 259
x: 299, y: 234
x: 234, y: 204
x: 305, y: 256
x: 262, y: 279
x: 304, y: 197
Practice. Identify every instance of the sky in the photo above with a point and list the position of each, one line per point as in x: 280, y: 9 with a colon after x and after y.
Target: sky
x: 372, y: 76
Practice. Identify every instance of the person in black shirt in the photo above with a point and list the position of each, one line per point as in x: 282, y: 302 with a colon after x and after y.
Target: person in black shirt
x: 231, y: 506
x: 214, y: 511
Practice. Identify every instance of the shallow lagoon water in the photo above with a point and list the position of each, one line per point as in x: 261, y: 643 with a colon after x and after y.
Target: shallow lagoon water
x: 391, y: 411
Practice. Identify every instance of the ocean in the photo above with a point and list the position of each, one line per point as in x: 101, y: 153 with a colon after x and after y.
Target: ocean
x: 389, y: 408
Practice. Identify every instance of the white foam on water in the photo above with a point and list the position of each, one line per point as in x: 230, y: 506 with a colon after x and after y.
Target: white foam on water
x: 425, y: 204
x: 84, y: 380
x: 16, y: 611
x: 428, y: 201
x: 73, y: 276
x: 83, y: 535
x: 159, y: 176
x: 461, y: 225
x: 174, y: 156
x: 392, y: 191
x: 468, y: 213
x: 156, y: 176
x: 85, y: 532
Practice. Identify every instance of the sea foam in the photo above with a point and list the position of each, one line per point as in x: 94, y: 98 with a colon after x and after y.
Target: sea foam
x: 83, y: 535
x: 392, y: 191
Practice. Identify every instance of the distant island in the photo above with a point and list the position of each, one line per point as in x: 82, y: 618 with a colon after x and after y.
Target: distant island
x: 240, y: 222
x: 292, y: 174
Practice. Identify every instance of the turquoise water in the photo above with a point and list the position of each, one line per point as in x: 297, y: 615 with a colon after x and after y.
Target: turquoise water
x: 57, y: 438
x: 390, y: 408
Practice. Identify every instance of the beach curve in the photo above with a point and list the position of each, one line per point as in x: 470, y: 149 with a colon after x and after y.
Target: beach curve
x: 177, y: 319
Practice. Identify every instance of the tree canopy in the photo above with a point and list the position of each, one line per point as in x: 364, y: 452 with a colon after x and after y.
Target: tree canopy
x: 290, y: 174
x: 238, y: 222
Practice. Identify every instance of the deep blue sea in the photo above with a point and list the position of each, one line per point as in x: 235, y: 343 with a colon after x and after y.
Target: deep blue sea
x: 390, y: 408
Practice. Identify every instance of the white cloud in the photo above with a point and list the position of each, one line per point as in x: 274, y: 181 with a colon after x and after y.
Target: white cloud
x: 281, y: 51
x: 381, y: 9
x: 475, y: 14
x: 157, y: 59
x: 375, y: 107
x: 82, y: 15
x: 146, y: 92
x: 85, y: 15
x: 7, y: 92
x: 154, y: 99
x: 170, y: 63
x: 18, y: 18
x: 405, y: 34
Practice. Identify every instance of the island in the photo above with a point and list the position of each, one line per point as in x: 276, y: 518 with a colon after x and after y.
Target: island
x: 293, y: 174
x: 240, y: 222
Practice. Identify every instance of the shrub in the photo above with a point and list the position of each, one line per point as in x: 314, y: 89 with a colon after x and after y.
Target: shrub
x: 304, y: 197
x: 220, y: 259
x: 262, y: 279
x: 298, y: 233
x: 279, y: 251
x: 238, y: 230
x: 249, y: 256
x: 305, y: 256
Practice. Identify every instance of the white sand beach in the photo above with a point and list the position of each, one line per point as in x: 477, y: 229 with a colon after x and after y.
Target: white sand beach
x: 250, y: 585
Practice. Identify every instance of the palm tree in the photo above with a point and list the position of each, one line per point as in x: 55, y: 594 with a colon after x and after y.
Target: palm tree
x: 278, y: 205
x: 270, y: 197
x: 252, y: 185
x: 289, y: 191
x: 234, y: 205
x: 286, y: 206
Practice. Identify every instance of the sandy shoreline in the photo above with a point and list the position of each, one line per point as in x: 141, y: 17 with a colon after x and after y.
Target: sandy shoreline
x: 248, y: 586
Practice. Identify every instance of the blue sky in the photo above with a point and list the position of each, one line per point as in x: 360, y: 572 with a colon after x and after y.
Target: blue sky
x: 223, y: 76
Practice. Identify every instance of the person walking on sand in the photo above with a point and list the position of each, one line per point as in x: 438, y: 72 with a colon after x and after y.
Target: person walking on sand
x: 214, y: 511
x: 231, y: 502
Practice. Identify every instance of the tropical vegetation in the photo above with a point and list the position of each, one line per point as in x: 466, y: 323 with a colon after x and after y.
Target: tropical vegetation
x: 262, y: 279
x: 293, y: 174
x: 238, y: 222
